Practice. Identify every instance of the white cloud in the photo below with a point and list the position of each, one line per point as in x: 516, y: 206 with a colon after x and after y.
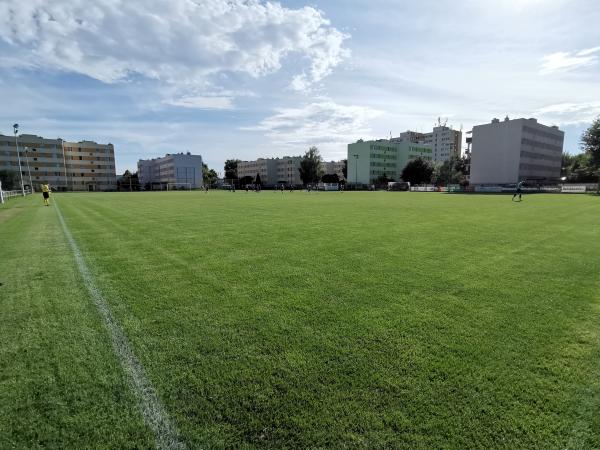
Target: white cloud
x: 175, y: 41
x: 200, y: 102
x: 324, y: 123
x: 569, y: 113
x: 566, y: 61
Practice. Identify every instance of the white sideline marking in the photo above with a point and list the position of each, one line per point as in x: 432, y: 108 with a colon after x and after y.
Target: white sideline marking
x: 153, y: 411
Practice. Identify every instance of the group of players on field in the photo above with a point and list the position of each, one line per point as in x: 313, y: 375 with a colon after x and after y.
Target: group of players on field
x: 46, y: 192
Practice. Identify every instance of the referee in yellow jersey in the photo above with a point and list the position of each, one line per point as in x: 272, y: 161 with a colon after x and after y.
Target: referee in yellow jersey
x: 46, y: 193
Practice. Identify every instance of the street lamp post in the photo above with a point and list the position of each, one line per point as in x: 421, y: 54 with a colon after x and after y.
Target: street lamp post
x: 355, y: 170
x: 28, y: 169
x: 16, y: 130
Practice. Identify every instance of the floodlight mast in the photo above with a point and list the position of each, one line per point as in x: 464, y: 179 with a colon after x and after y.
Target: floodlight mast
x: 16, y: 130
x: 28, y: 169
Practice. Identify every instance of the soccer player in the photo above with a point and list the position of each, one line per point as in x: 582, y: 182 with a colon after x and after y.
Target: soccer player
x: 46, y: 194
x: 519, y: 191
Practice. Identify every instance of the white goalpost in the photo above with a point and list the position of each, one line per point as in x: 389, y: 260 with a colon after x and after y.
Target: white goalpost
x: 179, y: 186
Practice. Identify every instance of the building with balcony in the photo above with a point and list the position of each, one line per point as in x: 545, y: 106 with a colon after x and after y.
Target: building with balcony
x: 272, y: 171
x: 76, y: 166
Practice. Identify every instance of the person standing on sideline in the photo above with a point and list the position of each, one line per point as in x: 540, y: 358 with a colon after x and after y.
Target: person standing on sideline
x: 46, y: 194
x: 519, y: 191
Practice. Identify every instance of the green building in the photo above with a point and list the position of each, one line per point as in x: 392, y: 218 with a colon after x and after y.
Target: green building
x: 369, y: 161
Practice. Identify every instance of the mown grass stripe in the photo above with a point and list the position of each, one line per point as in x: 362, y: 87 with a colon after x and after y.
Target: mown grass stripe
x: 154, y: 413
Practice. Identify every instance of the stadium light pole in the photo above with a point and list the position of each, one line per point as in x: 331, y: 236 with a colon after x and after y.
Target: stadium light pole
x: 62, y: 143
x: 28, y: 169
x: 355, y: 170
x: 16, y: 130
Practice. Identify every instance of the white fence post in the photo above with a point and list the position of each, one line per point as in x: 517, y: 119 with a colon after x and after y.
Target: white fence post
x: 1, y: 194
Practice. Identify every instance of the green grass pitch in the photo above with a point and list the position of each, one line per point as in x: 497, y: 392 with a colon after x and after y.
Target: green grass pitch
x: 322, y: 320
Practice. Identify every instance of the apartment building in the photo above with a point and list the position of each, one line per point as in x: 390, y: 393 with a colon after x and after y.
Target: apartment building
x: 77, y: 166
x: 265, y: 167
x: 288, y: 170
x: 272, y: 171
x: 410, y: 136
x: 172, y: 170
x: 370, y: 160
x: 444, y: 141
x: 334, y: 167
x: 509, y: 151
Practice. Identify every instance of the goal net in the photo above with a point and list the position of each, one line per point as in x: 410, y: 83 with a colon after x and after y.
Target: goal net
x: 179, y: 186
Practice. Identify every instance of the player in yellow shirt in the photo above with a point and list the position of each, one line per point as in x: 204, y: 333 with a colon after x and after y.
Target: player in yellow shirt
x: 46, y: 193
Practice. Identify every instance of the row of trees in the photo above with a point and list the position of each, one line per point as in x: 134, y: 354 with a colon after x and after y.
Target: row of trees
x: 584, y: 167
x: 453, y: 171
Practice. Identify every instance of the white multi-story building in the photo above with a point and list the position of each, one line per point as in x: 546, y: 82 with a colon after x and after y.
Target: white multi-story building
x: 180, y: 170
x: 444, y: 141
x: 515, y: 150
x: 288, y: 170
x: 334, y: 168
x: 76, y: 166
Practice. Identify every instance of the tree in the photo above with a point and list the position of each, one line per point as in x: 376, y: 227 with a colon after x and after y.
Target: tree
x: 577, y: 168
x: 209, y: 176
x: 128, y: 182
x: 10, y: 180
x: 417, y: 171
x: 311, y: 166
x: 451, y: 171
x: 230, y: 169
x: 246, y: 180
x: 590, y: 142
x: 258, y: 181
x: 345, y: 169
x: 383, y: 180
x: 330, y: 178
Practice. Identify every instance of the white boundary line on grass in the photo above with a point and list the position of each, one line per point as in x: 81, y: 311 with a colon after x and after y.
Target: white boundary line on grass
x: 154, y: 413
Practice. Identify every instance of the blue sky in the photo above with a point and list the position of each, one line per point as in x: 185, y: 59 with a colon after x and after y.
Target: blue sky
x: 251, y: 78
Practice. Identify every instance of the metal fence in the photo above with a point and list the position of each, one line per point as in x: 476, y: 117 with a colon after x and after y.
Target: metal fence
x: 6, y: 195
